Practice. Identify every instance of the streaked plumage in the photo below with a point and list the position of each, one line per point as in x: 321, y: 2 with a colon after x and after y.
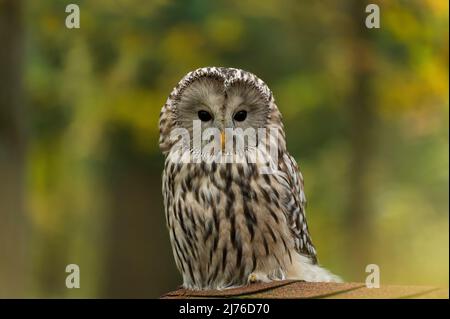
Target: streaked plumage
x: 228, y: 223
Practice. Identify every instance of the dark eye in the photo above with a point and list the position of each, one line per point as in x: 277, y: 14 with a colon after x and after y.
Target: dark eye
x: 240, y: 116
x: 204, y: 116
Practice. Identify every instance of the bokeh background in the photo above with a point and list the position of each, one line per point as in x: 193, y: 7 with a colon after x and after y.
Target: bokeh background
x: 366, y: 114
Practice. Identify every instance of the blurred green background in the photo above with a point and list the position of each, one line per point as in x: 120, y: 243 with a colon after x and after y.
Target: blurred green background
x: 366, y: 115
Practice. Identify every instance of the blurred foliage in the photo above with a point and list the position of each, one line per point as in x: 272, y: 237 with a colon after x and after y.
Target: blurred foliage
x: 93, y: 99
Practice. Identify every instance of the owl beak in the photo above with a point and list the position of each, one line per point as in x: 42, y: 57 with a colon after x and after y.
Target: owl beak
x: 222, y: 140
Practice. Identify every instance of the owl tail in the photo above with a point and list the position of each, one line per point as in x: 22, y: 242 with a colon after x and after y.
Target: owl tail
x: 304, y: 269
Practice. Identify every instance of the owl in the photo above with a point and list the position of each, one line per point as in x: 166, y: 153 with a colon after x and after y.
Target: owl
x: 232, y: 223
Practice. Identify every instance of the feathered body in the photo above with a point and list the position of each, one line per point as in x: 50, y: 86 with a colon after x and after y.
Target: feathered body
x: 229, y: 223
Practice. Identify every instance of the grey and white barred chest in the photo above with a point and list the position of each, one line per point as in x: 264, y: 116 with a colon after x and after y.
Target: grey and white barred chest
x: 225, y: 222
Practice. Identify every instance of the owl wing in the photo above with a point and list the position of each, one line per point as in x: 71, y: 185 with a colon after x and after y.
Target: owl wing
x: 295, y: 206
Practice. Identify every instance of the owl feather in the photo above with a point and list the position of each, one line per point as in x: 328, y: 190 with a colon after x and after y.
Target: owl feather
x: 229, y: 223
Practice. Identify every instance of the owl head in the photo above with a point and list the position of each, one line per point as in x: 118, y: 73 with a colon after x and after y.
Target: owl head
x: 220, y: 98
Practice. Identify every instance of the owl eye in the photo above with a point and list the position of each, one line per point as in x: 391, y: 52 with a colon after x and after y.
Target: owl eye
x: 204, y: 116
x: 240, y: 116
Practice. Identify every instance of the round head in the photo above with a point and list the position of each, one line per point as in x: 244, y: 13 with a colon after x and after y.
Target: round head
x: 218, y: 98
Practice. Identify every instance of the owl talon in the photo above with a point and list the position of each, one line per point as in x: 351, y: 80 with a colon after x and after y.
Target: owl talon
x: 252, y: 278
x: 257, y: 277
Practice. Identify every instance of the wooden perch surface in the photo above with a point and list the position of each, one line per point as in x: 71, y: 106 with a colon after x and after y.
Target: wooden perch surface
x: 299, y: 289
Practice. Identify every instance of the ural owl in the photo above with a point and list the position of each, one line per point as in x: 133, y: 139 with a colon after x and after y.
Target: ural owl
x: 232, y: 223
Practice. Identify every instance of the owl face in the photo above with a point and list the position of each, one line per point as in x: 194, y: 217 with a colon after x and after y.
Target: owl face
x: 221, y: 99
x: 208, y: 100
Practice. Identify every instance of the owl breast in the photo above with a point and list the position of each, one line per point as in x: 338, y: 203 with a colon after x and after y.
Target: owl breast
x: 225, y: 221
